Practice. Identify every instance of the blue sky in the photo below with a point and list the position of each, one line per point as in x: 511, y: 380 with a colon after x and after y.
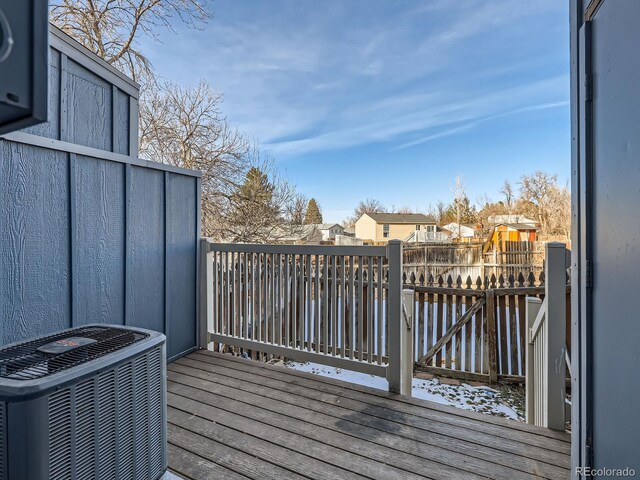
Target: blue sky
x: 388, y: 99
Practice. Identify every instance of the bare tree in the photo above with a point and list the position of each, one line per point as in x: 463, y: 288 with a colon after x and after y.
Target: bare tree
x: 509, y: 196
x: 184, y: 127
x: 560, y: 214
x: 537, y: 190
x: 110, y: 28
x: 181, y: 126
x: 370, y: 205
x: 297, y: 209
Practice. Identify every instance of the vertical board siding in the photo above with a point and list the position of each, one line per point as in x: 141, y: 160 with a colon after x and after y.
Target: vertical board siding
x: 89, y: 103
x: 181, y: 238
x: 99, y: 256
x: 121, y: 123
x: 87, y: 239
x: 34, y: 241
x: 145, y: 252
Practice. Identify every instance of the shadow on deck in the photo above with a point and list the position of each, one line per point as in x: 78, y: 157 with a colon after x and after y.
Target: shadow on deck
x: 233, y: 418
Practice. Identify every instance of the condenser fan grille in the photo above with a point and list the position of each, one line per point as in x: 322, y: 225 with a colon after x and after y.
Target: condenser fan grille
x: 48, y: 355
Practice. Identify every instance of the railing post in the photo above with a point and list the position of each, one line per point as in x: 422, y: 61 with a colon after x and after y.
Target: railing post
x: 400, y: 368
x: 205, y: 324
x: 555, y: 294
x: 532, y: 307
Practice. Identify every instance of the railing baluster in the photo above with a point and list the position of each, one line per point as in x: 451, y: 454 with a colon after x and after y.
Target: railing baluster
x: 272, y: 298
x: 297, y: 297
x: 361, y: 303
x: 280, y: 295
x: 379, y: 348
x: 290, y: 297
x: 334, y: 299
x: 214, y: 300
x: 343, y: 319
x: 227, y: 295
x: 294, y: 302
x: 261, y: 295
x: 370, y: 310
x: 350, y: 328
x: 325, y: 303
x: 246, y: 296
x: 308, y: 316
x: 316, y: 310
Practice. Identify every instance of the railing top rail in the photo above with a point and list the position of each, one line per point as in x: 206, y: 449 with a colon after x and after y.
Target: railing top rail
x: 342, y: 250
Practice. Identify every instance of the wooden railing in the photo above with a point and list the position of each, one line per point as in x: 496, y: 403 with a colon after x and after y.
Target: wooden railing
x: 338, y: 306
x: 546, y: 346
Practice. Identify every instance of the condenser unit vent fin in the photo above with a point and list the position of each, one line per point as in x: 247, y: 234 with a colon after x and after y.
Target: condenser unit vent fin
x: 48, y: 355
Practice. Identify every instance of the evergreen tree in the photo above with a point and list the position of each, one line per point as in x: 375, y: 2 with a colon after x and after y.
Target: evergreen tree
x: 254, y: 212
x: 313, y: 214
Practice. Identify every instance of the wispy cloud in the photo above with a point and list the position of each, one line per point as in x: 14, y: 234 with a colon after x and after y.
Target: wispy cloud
x: 306, y: 77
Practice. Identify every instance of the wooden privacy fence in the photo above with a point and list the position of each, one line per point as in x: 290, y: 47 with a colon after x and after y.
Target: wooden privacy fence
x: 473, y: 330
x: 335, y: 305
x: 469, y: 259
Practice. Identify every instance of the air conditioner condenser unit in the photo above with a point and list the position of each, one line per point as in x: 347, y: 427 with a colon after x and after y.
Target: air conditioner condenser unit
x: 85, y: 403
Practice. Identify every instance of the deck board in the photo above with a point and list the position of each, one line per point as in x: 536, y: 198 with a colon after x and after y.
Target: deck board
x: 263, y: 421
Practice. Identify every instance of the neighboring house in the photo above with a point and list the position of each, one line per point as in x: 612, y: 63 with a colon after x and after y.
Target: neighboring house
x: 511, y: 232
x: 349, y: 231
x: 496, y: 219
x: 347, y: 240
x: 329, y: 230
x: 382, y: 227
x: 463, y: 232
x: 299, y: 235
x: 424, y: 236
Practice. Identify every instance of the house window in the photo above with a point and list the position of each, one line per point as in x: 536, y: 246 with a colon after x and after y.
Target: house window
x: 385, y: 231
x: 431, y: 228
x: 418, y: 227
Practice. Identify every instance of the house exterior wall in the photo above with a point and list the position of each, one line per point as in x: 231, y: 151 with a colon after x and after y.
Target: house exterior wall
x: 398, y: 231
x: 366, y: 228
x: 505, y: 234
x: 330, y: 233
x: 89, y: 233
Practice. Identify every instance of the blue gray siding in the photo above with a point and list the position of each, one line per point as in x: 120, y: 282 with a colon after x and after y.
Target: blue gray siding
x: 88, y: 232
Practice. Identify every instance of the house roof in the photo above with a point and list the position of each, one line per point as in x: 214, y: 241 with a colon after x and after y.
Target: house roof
x: 401, y: 218
x: 463, y: 230
x: 327, y: 226
x: 297, y: 232
x: 504, y: 219
x: 518, y: 226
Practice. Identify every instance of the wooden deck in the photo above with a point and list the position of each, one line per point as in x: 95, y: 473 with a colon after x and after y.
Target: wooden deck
x: 233, y: 418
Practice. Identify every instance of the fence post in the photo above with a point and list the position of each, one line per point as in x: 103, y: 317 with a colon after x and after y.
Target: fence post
x: 206, y: 294
x: 492, y: 335
x: 555, y: 294
x: 400, y: 368
x: 532, y: 307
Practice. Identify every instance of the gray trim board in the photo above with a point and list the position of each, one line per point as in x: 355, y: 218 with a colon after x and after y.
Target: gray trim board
x: 68, y: 46
x: 51, y: 144
x: 73, y: 233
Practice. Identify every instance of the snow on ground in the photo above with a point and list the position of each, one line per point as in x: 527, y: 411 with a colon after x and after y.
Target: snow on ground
x: 481, y: 399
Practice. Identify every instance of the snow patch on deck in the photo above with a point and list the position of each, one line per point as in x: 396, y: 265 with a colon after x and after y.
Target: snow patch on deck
x: 481, y: 399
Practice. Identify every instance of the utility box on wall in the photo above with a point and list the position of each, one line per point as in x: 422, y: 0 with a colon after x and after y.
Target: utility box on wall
x: 24, y: 47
